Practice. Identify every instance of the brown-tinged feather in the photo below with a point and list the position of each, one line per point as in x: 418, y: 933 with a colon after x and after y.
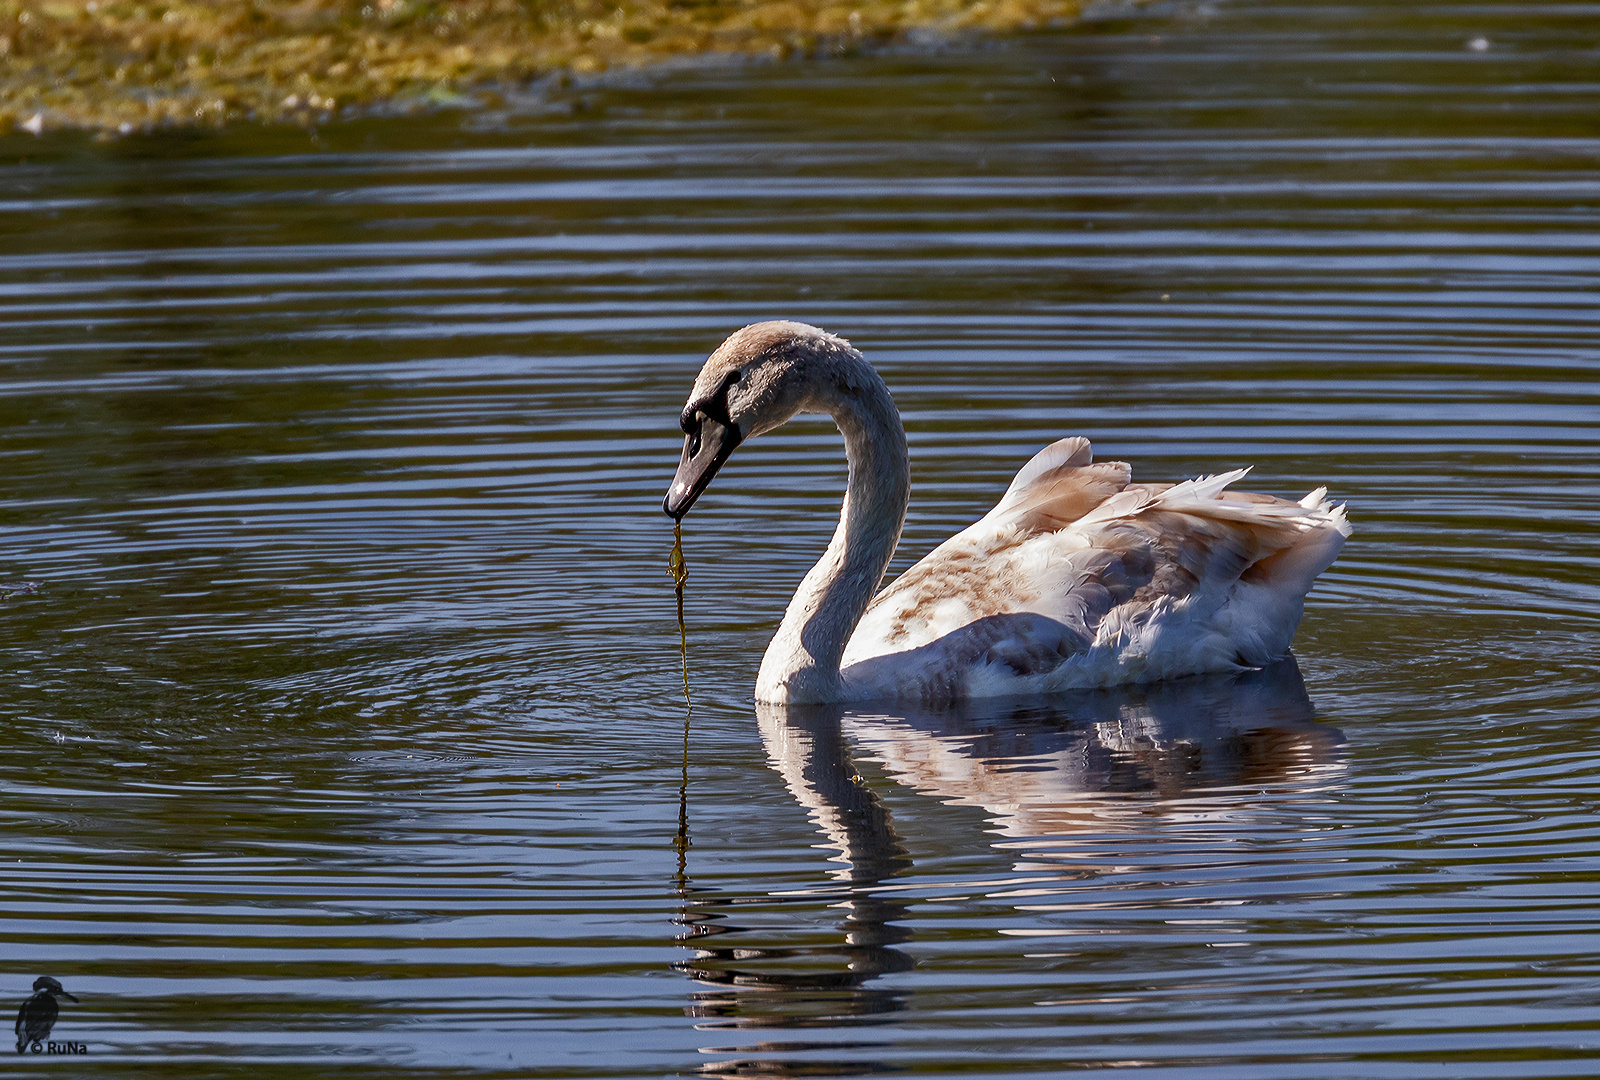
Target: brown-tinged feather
x: 1062, y: 496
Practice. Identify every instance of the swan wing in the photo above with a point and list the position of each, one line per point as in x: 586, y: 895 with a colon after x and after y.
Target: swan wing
x: 1057, y: 487
x: 1142, y: 582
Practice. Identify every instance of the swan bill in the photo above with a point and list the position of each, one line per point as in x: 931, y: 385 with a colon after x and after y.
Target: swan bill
x: 705, y: 447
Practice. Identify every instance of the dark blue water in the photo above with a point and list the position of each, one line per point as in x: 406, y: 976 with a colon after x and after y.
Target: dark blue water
x: 344, y: 730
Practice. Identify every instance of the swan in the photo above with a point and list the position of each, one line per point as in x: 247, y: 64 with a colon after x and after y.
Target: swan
x: 1077, y: 578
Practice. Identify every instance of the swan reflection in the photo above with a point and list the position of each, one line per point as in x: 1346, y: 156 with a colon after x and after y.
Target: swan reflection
x: 1053, y: 767
x: 1044, y: 771
x: 820, y: 984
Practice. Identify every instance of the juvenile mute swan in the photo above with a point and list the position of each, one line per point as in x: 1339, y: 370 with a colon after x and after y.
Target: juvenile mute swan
x: 1076, y: 578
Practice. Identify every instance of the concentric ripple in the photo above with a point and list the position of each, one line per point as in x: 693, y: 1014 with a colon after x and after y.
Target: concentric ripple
x: 343, y: 703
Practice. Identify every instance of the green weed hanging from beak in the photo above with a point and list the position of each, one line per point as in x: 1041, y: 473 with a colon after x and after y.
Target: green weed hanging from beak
x: 678, y: 570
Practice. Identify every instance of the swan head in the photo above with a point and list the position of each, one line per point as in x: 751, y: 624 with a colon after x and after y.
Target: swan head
x: 756, y: 380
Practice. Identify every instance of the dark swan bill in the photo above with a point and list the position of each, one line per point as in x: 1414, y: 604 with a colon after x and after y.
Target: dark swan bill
x: 705, y: 447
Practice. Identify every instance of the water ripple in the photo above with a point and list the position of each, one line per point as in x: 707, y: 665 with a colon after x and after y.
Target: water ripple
x: 345, y: 706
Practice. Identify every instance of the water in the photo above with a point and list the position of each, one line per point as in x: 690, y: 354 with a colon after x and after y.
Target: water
x: 344, y: 733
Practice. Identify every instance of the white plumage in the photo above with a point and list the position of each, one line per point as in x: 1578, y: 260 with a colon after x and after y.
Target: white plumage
x: 1078, y: 577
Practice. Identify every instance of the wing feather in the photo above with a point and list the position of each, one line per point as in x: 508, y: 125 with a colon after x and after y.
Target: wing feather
x: 1075, y: 561
x: 1057, y: 487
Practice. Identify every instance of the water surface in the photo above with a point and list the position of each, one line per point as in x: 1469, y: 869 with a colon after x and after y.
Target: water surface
x: 344, y: 731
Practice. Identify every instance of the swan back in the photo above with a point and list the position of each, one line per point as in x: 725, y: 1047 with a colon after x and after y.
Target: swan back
x: 1079, y: 577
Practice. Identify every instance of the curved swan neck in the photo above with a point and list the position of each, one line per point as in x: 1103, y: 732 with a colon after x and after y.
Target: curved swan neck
x: 802, y: 663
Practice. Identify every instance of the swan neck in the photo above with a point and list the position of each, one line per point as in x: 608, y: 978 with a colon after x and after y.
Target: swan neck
x: 802, y: 663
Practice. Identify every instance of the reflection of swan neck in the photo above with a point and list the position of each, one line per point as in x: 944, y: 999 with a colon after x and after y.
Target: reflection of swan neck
x: 807, y: 747
x: 802, y: 663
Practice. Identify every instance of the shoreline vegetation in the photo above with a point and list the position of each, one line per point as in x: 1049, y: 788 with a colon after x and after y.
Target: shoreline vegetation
x: 121, y: 66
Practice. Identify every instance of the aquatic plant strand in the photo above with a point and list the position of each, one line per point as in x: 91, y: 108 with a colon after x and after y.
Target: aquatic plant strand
x: 679, y: 571
x: 680, y: 842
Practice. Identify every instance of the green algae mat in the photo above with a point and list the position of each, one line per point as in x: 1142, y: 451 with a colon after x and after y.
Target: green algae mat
x: 116, y: 65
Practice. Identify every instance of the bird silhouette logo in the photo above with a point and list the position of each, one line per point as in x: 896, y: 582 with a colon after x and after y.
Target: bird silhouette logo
x: 38, y: 1014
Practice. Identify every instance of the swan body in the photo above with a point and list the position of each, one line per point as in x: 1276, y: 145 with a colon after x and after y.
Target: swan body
x: 1078, y: 577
